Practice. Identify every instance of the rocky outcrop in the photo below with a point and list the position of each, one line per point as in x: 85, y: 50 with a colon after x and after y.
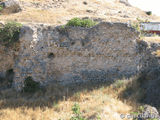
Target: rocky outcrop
x: 149, y: 83
x: 148, y: 112
x: 125, y: 2
x: 49, y: 4
x: 149, y: 60
x: 10, y: 6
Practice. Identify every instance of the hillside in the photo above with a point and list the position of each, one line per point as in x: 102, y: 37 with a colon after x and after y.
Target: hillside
x: 60, y: 11
x: 57, y: 65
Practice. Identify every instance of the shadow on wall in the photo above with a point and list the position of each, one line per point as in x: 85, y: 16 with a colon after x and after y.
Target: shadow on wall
x: 52, y: 93
x: 145, y: 88
x: 6, y: 81
x: 45, y: 96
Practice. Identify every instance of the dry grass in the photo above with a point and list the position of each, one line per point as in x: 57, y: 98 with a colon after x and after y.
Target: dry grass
x: 34, y: 16
x: 151, y: 40
x: 155, y: 39
x: 105, y: 10
x: 56, y: 102
x: 157, y: 53
x: 106, y: 101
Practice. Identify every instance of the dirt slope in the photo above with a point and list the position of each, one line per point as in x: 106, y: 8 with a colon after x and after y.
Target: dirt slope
x: 60, y: 11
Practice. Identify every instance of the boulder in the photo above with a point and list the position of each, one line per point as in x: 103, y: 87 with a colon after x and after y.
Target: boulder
x: 125, y: 2
x: 10, y: 6
x: 148, y: 113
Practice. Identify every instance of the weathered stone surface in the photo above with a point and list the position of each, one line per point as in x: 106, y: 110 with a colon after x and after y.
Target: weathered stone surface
x: 125, y: 2
x: 10, y: 6
x: 7, y: 58
x: 150, y: 82
x: 107, y: 51
x: 148, y: 113
x: 149, y: 60
x: 74, y: 55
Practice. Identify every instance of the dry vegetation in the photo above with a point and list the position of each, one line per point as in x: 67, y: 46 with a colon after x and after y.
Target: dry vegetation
x: 37, y: 11
x: 96, y: 101
x: 105, y: 101
x: 153, y: 40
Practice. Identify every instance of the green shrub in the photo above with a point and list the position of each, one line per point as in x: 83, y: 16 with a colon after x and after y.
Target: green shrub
x: 149, y: 12
x: 81, y: 23
x: 76, y: 113
x: 118, y: 84
x: 30, y: 85
x: 9, y: 33
x: 136, y: 26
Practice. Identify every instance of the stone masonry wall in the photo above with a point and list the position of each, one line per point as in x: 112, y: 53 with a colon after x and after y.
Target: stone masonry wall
x: 107, y: 51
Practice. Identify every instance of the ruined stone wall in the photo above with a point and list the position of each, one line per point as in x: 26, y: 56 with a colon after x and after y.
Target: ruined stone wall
x: 6, y: 60
x: 107, y: 51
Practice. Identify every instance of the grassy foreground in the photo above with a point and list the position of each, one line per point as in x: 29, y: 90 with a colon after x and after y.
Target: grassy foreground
x: 97, y: 102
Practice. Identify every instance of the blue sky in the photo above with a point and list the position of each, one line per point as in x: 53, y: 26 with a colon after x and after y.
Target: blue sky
x: 147, y: 5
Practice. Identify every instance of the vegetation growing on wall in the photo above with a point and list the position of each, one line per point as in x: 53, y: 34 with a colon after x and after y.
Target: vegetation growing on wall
x: 136, y: 26
x: 81, y: 22
x: 9, y: 33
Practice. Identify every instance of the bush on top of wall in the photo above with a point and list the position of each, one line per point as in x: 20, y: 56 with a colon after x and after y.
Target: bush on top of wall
x: 9, y: 33
x: 81, y: 22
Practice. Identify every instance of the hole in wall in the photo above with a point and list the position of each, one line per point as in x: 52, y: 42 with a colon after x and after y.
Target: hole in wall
x: 51, y: 55
x: 1, y: 79
x: 9, y: 77
x: 72, y: 43
x: 83, y: 44
x: 7, y: 80
x: 85, y: 3
x: 9, y: 71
